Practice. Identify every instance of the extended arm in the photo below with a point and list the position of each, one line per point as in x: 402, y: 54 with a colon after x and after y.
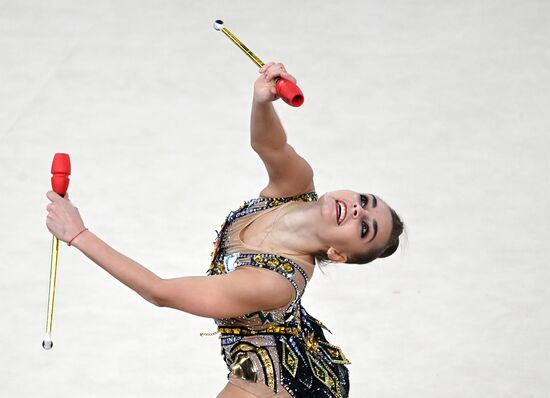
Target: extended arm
x: 289, y: 174
x: 240, y: 292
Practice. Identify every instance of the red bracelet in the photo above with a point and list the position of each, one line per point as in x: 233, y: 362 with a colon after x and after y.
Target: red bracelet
x: 76, y: 236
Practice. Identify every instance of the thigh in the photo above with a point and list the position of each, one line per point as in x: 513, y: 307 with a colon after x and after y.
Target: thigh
x: 237, y: 388
x: 232, y: 391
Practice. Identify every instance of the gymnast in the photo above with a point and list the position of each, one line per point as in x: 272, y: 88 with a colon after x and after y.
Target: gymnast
x: 263, y: 258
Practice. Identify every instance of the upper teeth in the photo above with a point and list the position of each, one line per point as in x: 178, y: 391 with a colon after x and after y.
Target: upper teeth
x: 342, y: 209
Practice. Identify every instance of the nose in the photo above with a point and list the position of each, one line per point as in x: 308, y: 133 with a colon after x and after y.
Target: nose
x: 358, y: 211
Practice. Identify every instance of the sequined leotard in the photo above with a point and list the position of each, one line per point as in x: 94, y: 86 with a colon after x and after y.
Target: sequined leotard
x: 282, y: 351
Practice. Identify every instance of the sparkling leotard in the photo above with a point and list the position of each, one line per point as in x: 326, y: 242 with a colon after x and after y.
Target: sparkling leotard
x: 284, y: 349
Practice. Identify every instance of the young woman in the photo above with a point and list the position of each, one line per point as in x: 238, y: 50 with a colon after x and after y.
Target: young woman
x: 263, y: 259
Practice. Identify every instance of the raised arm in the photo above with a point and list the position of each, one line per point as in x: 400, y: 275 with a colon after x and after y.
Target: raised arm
x: 289, y: 174
x: 224, y: 296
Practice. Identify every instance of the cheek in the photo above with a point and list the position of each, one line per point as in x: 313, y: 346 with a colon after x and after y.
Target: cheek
x: 346, y: 237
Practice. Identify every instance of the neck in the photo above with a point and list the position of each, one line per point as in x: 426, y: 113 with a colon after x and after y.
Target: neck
x: 296, y: 229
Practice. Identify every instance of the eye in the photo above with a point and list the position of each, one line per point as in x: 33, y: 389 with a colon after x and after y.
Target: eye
x: 364, y: 200
x: 364, y: 229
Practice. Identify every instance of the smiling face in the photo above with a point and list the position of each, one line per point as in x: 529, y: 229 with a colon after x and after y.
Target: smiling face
x: 353, y: 223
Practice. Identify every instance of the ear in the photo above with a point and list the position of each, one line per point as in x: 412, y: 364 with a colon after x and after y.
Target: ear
x: 336, y: 256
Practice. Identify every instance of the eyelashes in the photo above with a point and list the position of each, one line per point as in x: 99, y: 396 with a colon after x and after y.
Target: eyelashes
x: 364, y: 229
x: 364, y: 226
x: 364, y: 200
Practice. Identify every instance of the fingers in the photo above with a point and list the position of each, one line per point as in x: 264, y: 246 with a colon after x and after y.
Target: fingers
x: 273, y: 70
x: 53, y: 197
x: 287, y: 76
x: 57, y: 201
x: 52, y: 207
x: 265, y: 67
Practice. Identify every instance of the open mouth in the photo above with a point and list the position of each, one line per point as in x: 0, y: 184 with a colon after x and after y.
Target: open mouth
x: 341, y: 212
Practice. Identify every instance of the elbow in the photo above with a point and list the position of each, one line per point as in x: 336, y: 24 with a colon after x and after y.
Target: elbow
x: 266, y: 150
x: 183, y: 294
x: 263, y: 146
x: 156, y: 302
x: 155, y: 296
x: 163, y: 293
x: 257, y: 146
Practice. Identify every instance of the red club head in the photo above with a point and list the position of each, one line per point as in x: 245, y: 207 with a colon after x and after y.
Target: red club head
x: 289, y: 92
x: 61, y: 170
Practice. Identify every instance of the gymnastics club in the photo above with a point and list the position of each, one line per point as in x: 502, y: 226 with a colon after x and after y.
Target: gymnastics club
x: 288, y: 91
x: 61, y: 170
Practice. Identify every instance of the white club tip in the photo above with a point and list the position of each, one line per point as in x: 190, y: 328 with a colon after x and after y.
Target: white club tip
x: 47, y: 343
x: 218, y: 24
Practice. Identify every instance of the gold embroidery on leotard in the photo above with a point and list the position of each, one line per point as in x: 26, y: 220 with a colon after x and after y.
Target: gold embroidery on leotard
x: 264, y: 356
x: 325, y: 375
x: 290, y: 359
x: 244, y: 368
x: 265, y: 359
x: 335, y: 354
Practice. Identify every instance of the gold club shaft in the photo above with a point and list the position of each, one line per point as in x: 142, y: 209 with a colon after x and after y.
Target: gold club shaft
x: 245, y: 49
x: 53, y: 277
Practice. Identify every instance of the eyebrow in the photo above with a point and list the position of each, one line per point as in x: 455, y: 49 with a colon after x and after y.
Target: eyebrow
x: 375, y: 226
x: 374, y: 223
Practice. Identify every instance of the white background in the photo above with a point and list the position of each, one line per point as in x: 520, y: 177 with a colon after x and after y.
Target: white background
x: 439, y: 107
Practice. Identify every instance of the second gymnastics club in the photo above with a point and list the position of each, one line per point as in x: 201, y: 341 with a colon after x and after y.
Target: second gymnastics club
x: 288, y: 91
x: 61, y: 170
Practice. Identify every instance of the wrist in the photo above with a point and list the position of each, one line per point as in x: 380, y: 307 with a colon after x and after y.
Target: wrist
x: 262, y: 106
x: 258, y: 101
x: 263, y: 98
x: 76, y: 237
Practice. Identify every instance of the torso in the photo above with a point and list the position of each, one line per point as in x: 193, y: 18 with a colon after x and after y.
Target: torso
x: 283, y: 350
x: 247, y: 239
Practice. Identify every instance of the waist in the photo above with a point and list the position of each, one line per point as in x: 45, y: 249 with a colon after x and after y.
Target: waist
x: 272, y: 329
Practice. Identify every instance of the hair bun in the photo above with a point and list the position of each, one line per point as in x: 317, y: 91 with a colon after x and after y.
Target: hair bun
x: 389, y: 250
